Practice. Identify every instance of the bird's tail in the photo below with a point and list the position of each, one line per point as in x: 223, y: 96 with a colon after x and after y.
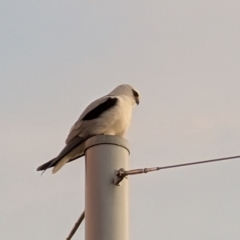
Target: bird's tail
x: 50, y: 164
x: 60, y: 164
x: 46, y: 165
x: 70, y: 152
x: 57, y: 165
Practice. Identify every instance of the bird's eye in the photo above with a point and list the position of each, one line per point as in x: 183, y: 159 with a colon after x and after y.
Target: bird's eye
x: 135, y: 94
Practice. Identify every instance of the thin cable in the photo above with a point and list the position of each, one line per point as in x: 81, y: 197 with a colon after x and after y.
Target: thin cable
x: 121, y: 173
x: 76, y: 225
x: 199, y: 162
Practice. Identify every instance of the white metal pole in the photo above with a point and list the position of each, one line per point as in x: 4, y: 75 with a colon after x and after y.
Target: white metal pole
x: 106, y: 205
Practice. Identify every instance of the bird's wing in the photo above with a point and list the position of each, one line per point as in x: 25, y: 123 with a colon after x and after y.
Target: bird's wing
x: 76, y: 141
x: 81, y: 130
x: 93, y: 111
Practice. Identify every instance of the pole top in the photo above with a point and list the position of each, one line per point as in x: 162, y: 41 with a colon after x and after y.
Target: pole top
x: 107, y: 139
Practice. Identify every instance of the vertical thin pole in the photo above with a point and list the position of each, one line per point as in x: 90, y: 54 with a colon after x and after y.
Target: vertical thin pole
x: 106, y: 205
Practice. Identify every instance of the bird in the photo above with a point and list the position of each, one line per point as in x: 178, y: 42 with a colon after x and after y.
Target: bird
x: 108, y: 115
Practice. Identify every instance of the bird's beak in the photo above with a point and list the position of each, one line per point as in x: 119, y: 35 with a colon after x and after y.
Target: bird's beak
x: 137, y: 100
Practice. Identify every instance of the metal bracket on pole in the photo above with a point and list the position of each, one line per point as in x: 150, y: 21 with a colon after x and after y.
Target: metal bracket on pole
x: 106, y: 205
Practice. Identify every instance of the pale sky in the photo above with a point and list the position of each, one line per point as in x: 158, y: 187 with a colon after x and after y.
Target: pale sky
x: 182, y: 56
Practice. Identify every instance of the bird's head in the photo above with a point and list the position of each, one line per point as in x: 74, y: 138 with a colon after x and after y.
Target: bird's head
x: 128, y: 90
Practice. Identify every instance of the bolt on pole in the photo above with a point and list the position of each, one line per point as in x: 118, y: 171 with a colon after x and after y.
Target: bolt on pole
x: 106, y: 205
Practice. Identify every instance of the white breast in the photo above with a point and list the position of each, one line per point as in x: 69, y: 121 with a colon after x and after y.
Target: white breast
x: 124, y: 115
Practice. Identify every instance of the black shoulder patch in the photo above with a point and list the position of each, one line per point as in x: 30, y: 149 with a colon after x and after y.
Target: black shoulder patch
x: 101, y: 108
